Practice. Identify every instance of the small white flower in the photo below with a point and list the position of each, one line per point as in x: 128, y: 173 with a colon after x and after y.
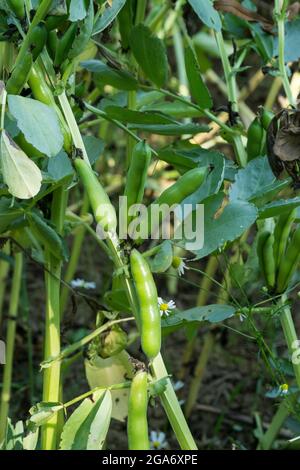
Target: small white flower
x: 165, y: 307
x: 178, y: 385
x: 158, y: 440
x: 242, y: 317
x: 81, y: 283
x: 283, y: 389
x: 179, y: 264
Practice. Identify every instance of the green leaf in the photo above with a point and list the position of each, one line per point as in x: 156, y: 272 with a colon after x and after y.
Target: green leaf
x: 278, y: 207
x: 60, y: 167
x: 42, y: 412
x: 85, y: 32
x: 116, y: 299
x: 8, y: 213
x: 104, y: 74
x: 162, y: 259
x: 175, y: 109
x: 256, y: 183
x: 77, y: 10
x: 108, y: 16
x: 291, y: 41
x: 198, y: 88
x: 171, y: 129
x: 214, y: 313
x: 137, y: 117
x: 22, y: 176
x: 38, y: 122
x: 205, y: 11
x: 150, y: 53
x: 94, y: 147
x: 225, y: 226
x: 87, y: 426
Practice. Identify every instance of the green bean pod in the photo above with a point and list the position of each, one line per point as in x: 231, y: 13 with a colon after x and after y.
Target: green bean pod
x: 46, y: 235
x: 255, y: 139
x: 289, y: 262
x: 54, y: 21
x: 186, y: 185
x: 281, y: 234
x: 38, y: 39
x: 137, y: 425
x: 266, y: 257
x: 137, y: 174
x: 103, y: 209
x: 64, y: 44
x: 19, y: 75
x: 17, y: 7
x: 266, y: 118
x: 149, y: 315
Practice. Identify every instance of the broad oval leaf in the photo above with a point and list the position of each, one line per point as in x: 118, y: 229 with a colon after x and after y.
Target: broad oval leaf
x: 205, y: 11
x: 22, y: 176
x: 87, y: 426
x: 42, y: 412
x: 137, y: 117
x: 214, y: 313
x: 199, y: 90
x: 150, y: 53
x: 38, y: 122
x: 171, y: 129
x: 85, y: 31
x: 162, y: 259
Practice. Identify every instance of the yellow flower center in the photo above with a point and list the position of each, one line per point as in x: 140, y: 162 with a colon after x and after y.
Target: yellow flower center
x: 176, y: 262
x: 164, y: 307
x: 284, y: 387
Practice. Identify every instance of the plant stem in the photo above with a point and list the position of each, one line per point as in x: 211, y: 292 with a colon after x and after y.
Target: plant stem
x: 4, y: 269
x: 280, y: 15
x: 76, y: 136
x: 120, y: 386
x: 290, y: 334
x: 238, y: 145
x: 51, y: 385
x: 276, y: 424
x: 208, y: 346
x: 10, y: 342
x: 74, y: 258
x: 140, y: 11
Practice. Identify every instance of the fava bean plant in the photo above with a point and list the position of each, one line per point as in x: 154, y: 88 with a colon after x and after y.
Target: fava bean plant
x: 152, y: 101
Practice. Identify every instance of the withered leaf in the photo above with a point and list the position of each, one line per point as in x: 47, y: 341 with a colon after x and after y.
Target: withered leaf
x: 235, y: 8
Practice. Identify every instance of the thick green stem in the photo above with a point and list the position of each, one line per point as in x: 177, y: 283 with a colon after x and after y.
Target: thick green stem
x: 74, y: 258
x: 290, y: 334
x: 10, y: 342
x: 51, y: 385
x: 276, y: 424
x: 4, y: 269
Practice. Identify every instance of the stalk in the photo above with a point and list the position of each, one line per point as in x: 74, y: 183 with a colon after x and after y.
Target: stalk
x: 238, y: 145
x: 10, y: 342
x: 4, y: 269
x: 51, y: 385
x: 208, y: 346
x: 290, y: 334
x: 280, y: 14
x: 75, y: 254
x: 276, y: 424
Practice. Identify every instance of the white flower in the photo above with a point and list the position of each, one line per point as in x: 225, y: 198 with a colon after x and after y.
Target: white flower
x: 283, y: 389
x: 77, y: 283
x: 165, y: 307
x: 242, y: 317
x: 178, y: 385
x: 158, y: 440
x: 179, y: 264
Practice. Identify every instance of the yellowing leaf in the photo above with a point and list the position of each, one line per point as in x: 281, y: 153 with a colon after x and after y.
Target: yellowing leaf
x: 22, y: 176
